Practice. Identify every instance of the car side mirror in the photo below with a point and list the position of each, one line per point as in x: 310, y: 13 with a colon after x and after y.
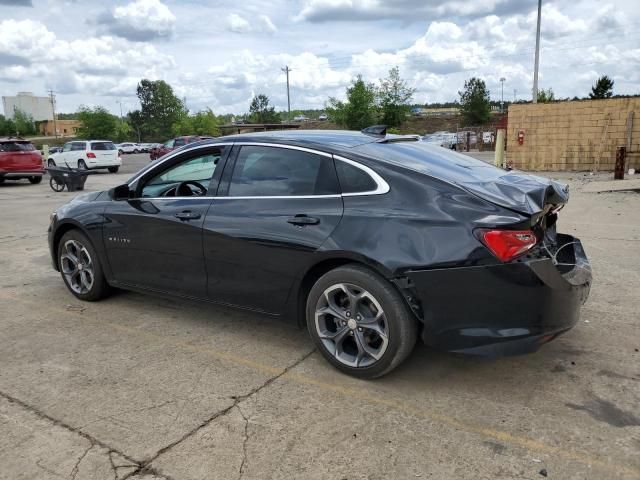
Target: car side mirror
x: 121, y: 192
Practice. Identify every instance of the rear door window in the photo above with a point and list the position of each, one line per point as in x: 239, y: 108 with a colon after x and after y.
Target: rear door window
x: 273, y: 171
x: 78, y: 146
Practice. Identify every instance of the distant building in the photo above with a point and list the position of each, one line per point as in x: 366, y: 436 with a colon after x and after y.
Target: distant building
x: 37, y: 107
x: 66, y: 128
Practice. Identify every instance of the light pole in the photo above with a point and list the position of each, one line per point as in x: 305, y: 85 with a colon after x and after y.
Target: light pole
x: 537, y: 58
x: 502, y: 80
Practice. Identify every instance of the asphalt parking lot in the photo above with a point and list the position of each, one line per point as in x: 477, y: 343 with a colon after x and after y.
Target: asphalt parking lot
x: 139, y: 386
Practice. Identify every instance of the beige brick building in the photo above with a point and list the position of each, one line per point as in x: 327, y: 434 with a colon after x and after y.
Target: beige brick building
x: 574, y: 136
x: 66, y: 128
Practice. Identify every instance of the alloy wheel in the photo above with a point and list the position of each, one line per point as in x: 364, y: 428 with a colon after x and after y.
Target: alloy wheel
x: 77, y: 267
x: 352, y: 325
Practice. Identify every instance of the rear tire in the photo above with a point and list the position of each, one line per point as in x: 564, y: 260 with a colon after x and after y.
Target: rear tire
x: 113, y: 169
x: 360, y: 322
x: 136, y: 151
x: 82, y: 165
x: 80, y: 267
x: 51, y: 163
x: 35, y: 179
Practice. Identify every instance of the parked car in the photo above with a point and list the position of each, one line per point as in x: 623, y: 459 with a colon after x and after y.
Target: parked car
x: 19, y: 159
x: 170, y: 145
x: 128, y: 147
x: 323, y: 117
x: 55, y: 149
x: 442, y: 139
x: 146, y: 147
x: 371, y: 241
x: 87, y: 154
x: 300, y: 118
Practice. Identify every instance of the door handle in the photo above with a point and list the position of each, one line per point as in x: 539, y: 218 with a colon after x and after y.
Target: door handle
x: 187, y: 215
x: 302, y: 220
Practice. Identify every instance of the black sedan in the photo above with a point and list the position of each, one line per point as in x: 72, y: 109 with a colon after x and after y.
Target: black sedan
x: 372, y: 240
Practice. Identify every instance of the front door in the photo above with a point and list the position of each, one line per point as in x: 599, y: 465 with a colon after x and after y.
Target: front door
x: 273, y: 212
x: 154, y: 240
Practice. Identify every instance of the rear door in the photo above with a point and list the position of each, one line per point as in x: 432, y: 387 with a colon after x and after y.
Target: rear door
x: 275, y: 208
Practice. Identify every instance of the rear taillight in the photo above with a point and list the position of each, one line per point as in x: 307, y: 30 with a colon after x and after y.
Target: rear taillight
x: 91, y: 155
x: 508, y: 244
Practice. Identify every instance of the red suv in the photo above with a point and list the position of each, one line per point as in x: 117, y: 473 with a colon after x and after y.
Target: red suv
x: 19, y: 159
x: 174, y: 143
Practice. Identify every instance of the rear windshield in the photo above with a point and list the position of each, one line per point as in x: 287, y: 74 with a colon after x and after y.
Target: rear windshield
x: 432, y: 160
x: 16, y: 147
x: 102, y: 146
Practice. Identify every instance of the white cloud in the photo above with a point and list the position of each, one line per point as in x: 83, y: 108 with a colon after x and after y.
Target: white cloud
x: 140, y: 20
x: 238, y: 24
x: 95, y: 65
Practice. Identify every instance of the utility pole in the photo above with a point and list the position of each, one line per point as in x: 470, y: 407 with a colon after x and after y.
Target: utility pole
x: 537, y: 60
x: 514, y: 95
x: 53, y: 110
x: 502, y: 79
x: 119, y: 102
x: 286, y: 70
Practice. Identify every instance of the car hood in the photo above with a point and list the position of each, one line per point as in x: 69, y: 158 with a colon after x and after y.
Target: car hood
x: 519, y: 191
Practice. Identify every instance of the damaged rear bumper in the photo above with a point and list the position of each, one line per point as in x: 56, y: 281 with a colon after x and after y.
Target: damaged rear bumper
x: 503, y: 309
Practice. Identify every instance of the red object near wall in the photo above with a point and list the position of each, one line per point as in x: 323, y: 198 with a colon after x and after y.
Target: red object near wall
x: 520, y: 137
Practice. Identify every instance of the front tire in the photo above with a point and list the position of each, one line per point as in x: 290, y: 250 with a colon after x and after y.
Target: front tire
x: 51, y: 163
x: 360, y: 322
x: 35, y: 179
x: 113, y: 169
x: 80, y: 267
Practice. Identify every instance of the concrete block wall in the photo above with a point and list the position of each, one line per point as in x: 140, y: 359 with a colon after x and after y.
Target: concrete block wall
x: 572, y: 136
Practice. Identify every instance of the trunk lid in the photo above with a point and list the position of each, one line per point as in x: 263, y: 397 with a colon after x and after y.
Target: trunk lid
x: 19, y: 155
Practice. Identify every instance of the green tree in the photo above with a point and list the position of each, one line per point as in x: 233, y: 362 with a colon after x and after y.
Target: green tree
x: 96, y: 123
x: 24, y: 124
x: 7, y: 127
x: 160, y: 109
x: 546, y: 96
x: 202, y: 123
x: 602, y: 89
x: 123, y: 131
x: 361, y: 108
x: 394, y: 96
x: 261, y: 112
x: 475, y: 104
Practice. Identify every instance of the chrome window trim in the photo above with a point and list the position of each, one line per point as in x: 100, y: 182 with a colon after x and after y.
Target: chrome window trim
x: 382, y: 185
x: 173, y: 155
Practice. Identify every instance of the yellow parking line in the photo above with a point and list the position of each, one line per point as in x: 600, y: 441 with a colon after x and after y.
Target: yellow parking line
x: 500, y: 435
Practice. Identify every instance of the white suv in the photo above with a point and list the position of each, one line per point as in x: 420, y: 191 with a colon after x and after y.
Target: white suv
x: 129, y: 147
x: 87, y: 154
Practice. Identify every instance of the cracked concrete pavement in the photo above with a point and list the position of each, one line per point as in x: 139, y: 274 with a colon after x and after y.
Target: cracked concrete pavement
x: 146, y: 387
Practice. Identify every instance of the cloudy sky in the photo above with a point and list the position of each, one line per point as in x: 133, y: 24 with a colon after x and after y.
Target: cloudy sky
x: 218, y: 54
